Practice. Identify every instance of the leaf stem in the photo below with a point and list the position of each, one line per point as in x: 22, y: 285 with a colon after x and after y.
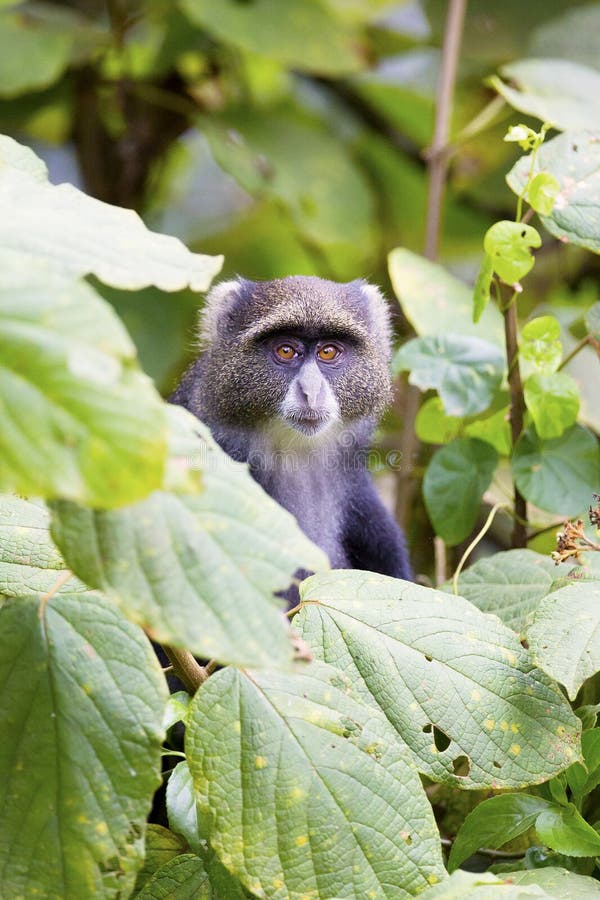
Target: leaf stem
x: 473, y: 544
x: 187, y: 668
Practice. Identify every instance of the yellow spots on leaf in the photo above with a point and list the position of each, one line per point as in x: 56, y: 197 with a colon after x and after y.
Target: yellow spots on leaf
x: 327, y: 696
x: 432, y: 879
x: 568, y: 752
x: 297, y: 794
x: 476, y: 696
x: 301, y: 840
x: 514, y: 727
x: 489, y: 724
x: 561, y: 731
x: 101, y: 828
x: 277, y: 883
x: 237, y: 726
x: 83, y: 820
x: 413, y: 706
x: 433, y: 749
x: 515, y: 749
x: 260, y: 762
x: 372, y: 894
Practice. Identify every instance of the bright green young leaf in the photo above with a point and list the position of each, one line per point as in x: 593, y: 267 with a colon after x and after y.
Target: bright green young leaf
x: 559, y: 91
x: 161, y: 846
x: 482, y: 886
x: 560, y: 884
x: 47, y: 53
x: 465, y: 371
x: 82, y: 694
x: 495, y: 822
x: 540, y: 347
x: 29, y: 560
x: 52, y: 233
x: 77, y: 417
x: 542, y: 193
x: 553, y: 401
x: 182, y: 878
x: 456, y: 684
x: 592, y: 321
x: 436, y: 302
x: 176, y: 709
x: 509, y: 585
x: 494, y: 429
x: 558, y: 475
x: 181, y: 806
x: 565, y: 830
x: 303, y: 34
x: 454, y: 484
x: 197, y: 570
x: 509, y: 244
x: 433, y: 425
x: 481, y: 291
x: 525, y: 136
x: 574, y: 160
x: 355, y: 818
x: 564, y: 636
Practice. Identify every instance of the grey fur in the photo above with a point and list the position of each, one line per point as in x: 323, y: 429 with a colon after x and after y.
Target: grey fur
x: 304, y: 430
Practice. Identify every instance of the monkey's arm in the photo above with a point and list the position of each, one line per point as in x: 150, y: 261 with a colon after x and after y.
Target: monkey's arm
x: 371, y: 537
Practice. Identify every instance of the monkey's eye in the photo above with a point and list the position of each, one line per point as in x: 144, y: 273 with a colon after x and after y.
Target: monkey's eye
x: 285, y: 352
x: 328, y: 353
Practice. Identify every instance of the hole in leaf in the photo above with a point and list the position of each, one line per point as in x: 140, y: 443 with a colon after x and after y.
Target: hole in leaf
x: 497, y: 765
x: 427, y: 728
x: 461, y: 766
x: 525, y: 643
x: 574, y: 148
x: 523, y: 233
x: 441, y: 740
x: 428, y: 658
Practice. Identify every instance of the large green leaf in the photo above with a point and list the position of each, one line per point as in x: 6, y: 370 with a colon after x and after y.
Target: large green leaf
x: 181, y: 878
x: 53, y: 232
x: 574, y: 160
x: 559, y: 91
x: 181, y: 805
x: 483, y: 886
x: 304, y: 34
x: 81, y: 702
x: 454, y: 484
x: 436, y: 302
x: 563, y: 828
x: 558, y: 475
x: 161, y: 846
x: 494, y: 823
x: 510, y: 584
x: 456, y: 684
x: 307, y: 791
x: 47, y: 53
x: 77, y: 417
x: 289, y: 156
x: 565, y: 634
x: 465, y: 371
x: 29, y: 561
x: 508, y: 245
x: 197, y: 570
x: 559, y: 883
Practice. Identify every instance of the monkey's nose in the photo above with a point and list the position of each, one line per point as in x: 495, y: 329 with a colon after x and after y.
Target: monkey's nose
x: 311, y: 388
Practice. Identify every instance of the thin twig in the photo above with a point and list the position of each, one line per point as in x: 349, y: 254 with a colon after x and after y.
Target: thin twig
x: 187, y: 668
x: 582, y: 343
x: 439, y: 550
x: 517, y: 411
x: 487, y: 851
x: 438, y: 152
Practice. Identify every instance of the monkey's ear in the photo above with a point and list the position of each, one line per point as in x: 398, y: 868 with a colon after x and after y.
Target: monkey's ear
x: 379, y: 315
x: 218, y: 306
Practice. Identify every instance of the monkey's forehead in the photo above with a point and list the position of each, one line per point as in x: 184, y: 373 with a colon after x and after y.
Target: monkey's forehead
x: 310, y: 304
